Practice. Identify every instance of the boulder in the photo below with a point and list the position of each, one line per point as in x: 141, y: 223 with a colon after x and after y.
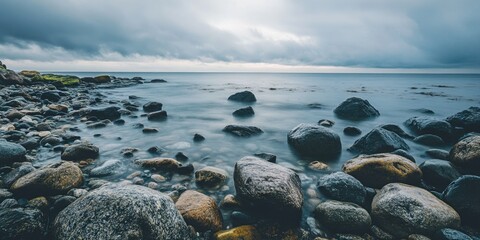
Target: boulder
x: 200, y: 211
x: 244, y: 112
x: 342, y: 187
x: 152, y: 107
x: 110, y: 113
x: 245, y: 96
x: 379, y: 140
x: 22, y: 224
x: 9, y: 77
x: 159, y: 163
x: 468, y: 119
x: 242, y: 131
x: 102, y: 79
x: 211, y: 177
x: 81, y: 151
x: 439, y: 173
x: 466, y: 153
x: 198, y: 138
x: 56, y: 178
x: 380, y: 169
x: 11, y: 152
x: 355, y: 108
x: 121, y: 212
x: 401, y: 210
x: 157, y: 116
x: 269, y: 189
x: 427, y: 125
x: 343, y: 217
x: 464, y: 196
x: 51, y: 96
x: 429, y: 140
x: 396, y: 129
x: 315, y: 142
x: 437, y: 154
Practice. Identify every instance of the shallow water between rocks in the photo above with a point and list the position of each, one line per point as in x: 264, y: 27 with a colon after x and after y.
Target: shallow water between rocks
x: 197, y: 103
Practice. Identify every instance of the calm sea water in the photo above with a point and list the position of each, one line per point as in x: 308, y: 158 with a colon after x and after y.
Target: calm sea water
x: 197, y: 103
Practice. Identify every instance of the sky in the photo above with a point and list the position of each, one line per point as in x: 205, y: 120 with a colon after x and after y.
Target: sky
x: 241, y: 35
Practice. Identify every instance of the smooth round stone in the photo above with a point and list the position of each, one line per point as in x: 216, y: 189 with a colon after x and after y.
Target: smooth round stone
x: 343, y: 217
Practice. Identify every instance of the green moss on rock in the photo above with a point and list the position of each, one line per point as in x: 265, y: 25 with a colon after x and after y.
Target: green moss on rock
x: 66, y: 80
x: 29, y: 73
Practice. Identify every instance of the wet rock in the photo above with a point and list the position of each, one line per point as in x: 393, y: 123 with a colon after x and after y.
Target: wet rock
x: 355, y: 109
x: 50, y: 96
x: 40, y: 203
x: 342, y: 187
x: 200, y: 211
x: 429, y: 140
x: 52, y: 179
x: 396, y: 129
x: 152, y: 107
x: 245, y: 96
x: 401, y: 210
x: 149, y: 130
x: 211, y: 177
x: 22, y: 224
x: 343, y: 217
x: 451, y: 234
x: 9, y: 203
x: 81, y: 151
x: 157, y: 116
x: 266, y: 156
x: 437, y: 154
x: 425, y: 125
x: 181, y: 157
x: 121, y: 212
x: 11, y: 152
x: 326, y: 123
x: 58, y: 107
x: 352, y: 131
x: 159, y: 163
x: 62, y: 203
x: 109, y: 167
x: 9, y: 178
x: 404, y: 154
x: 4, y: 194
x: 317, y: 166
x: 198, y: 138
x: 242, y: 131
x: 110, y: 113
x: 244, y: 112
x: 101, y: 79
x: 229, y: 202
x: 280, y: 196
x: 242, y: 232
x: 379, y: 140
x: 186, y: 169
x: 158, y: 81
x: 119, y: 122
x: 239, y: 218
x: 466, y: 153
x: 14, y: 114
x: 9, y: 77
x: 439, y: 173
x: 50, y: 140
x: 468, y: 119
x: 313, y: 141
x: 380, y: 169
x: 463, y: 195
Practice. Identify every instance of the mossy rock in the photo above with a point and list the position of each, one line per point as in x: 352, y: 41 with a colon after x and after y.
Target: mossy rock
x: 66, y: 80
x: 29, y: 73
x: 246, y: 232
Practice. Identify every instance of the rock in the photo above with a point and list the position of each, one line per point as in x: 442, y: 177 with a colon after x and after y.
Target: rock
x: 14, y: 114
x: 245, y: 96
x: 326, y: 123
x: 317, y: 166
x: 401, y: 210
x: 451, y: 234
x: 159, y: 163
x: 109, y: 167
x: 266, y: 156
x: 157, y: 116
x: 9, y: 203
x: 14, y: 175
x: 426, y: 125
x: 239, y: 218
x: 51, y: 179
x: 246, y: 232
x: 211, y: 177
x: 466, y: 153
x: 158, y: 81
x: 81, y: 151
x: 316, y: 142
x: 51, y: 96
x: 57, y: 80
x: 343, y: 217
x: 149, y: 130
x: 404, y: 154
x: 468, y: 119
x: 181, y: 157
x: 379, y: 140
x: 463, y: 195
x: 439, y: 173
x: 50, y: 140
x: 186, y: 169
x: 356, y: 109
x: 437, y: 154
x: 121, y: 212
x: 429, y: 140
x: 244, y: 112
x: 102, y: 79
x: 9, y: 77
x: 110, y: 113
x: 11, y: 152
x: 152, y: 107
x: 4, y: 194
x: 242, y: 131
x: 380, y: 169
x: 137, y: 78
x: 396, y: 129
x: 352, y: 131
x: 198, y: 138
x: 279, y: 196
x: 22, y: 224
x: 342, y: 187
x: 200, y: 211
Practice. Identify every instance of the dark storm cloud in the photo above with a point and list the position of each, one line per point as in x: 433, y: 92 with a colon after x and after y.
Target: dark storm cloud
x: 373, y: 33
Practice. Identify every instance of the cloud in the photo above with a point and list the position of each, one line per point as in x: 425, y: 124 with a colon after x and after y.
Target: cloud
x: 345, y: 33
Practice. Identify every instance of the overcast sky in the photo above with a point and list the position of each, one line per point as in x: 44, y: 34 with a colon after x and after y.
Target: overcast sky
x: 243, y: 35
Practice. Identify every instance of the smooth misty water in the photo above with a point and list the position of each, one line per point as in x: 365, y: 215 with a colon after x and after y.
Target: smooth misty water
x: 197, y: 103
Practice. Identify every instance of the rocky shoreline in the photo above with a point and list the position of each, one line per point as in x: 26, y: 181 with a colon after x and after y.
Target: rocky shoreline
x: 380, y: 194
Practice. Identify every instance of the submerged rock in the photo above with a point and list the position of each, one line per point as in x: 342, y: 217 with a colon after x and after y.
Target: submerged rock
x: 268, y: 188
x: 245, y: 96
x: 159, y: 163
x: 401, y: 210
x: 426, y: 125
x: 439, y: 173
x: 429, y: 140
x: 379, y: 140
x: 244, y: 112
x: 352, y: 131
x: 242, y: 131
x: 11, y: 152
x: 343, y: 217
x: 157, y: 116
x: 110, y: 113
x: 211, y: 176
x: 396, y: 129
x: 466, y: 153
x: 200, y: 211
x: 463, y: 194
x: 468, y: 119
x: 79, y: 152
x: 152, y: 107
x: 380, y: 169
x: 22, y: 224
x: 313, y: 141
x: 342, y: 187
x: 121, y: 212
x: 356, y: 109
x: 109, y: 167
x: 198, y: 138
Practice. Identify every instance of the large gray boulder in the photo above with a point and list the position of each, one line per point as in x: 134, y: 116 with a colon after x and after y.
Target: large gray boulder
x: 401, y: 210
x: 426, y: 125
x: 343, y: 217
x: 22, y: 224
x: 121, y: 212
x: 315, y: 142
x: 342, y: 187
x: 9, y: 77
x: 356, y: 108
x: 463, y: 195
x: 11, y: 152
x: 466, y: 153
x: 468, y: 119
x: 439, y: 173
x: 268, y: 188
x: 245, y: 96
x: 379, y: 140
x: 81, y: 151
